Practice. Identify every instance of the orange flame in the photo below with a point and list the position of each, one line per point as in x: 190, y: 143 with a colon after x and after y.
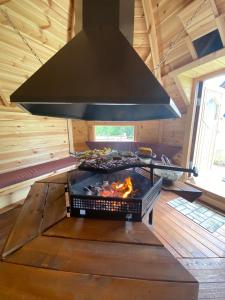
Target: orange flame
x: 119, y: 189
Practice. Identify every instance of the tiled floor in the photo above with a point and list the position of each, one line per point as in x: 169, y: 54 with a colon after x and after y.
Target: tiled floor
x: 200, y: 214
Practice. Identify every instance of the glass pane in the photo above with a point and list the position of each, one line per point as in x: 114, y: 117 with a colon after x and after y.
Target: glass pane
x: 114, y: 133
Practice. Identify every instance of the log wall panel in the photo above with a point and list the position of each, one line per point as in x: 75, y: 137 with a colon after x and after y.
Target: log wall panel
x: 29, y: 140
x: 173, y: 134
x: 147, y: 131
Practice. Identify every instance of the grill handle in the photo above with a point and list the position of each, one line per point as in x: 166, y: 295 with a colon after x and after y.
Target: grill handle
x: 193, y: 170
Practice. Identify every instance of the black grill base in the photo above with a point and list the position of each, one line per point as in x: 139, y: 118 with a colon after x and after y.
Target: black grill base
x: 76, y: 212
x: 129, y: 209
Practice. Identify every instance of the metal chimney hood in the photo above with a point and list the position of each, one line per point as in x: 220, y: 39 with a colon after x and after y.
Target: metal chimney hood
x: 97, y: 75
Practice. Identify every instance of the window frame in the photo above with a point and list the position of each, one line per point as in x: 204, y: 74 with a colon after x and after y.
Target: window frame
x: 123, y: 124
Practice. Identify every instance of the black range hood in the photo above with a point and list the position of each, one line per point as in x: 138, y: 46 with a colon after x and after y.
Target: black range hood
x: 97, y: 75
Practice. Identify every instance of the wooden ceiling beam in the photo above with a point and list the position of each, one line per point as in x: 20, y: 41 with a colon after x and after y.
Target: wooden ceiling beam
x: 214, y: 8
x: 152, y: 35
x: 71, y: 21
x: 191, y: 47
x: 148, y: 58
x: 220, y: 22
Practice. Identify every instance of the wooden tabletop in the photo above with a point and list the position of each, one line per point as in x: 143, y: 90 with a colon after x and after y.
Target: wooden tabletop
x: 85, y: 259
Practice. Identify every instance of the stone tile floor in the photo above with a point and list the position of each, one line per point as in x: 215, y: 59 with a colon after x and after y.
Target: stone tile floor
x: 198, y: 213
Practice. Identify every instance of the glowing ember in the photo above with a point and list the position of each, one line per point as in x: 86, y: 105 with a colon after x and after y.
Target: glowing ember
x: 118, y: 189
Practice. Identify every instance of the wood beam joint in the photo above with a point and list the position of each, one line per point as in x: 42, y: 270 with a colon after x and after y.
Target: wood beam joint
x: 152, y: 35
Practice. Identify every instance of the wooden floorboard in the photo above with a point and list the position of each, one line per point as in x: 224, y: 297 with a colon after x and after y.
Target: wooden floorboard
x: 206, y: 244
x: 202, y: 253
x: 187, y: 238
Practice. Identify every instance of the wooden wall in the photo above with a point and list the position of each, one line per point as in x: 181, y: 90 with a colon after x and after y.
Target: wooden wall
x: 28, y: 140
x: 84, y: 131
x: 172, y: 133
x: 24, y: 139
x: 169, y: 132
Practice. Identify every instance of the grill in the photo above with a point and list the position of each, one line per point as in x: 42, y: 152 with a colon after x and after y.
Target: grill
x: 132, y: 208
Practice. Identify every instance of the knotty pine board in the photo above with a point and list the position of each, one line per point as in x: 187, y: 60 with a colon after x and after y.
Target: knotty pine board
x: 27, y: 140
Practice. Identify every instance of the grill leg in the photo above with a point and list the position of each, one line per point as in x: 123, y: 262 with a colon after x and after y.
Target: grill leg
x: 150, y: 217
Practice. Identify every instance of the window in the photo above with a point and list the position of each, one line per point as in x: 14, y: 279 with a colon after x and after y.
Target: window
x: 114, y: 133
x: 208, y: 43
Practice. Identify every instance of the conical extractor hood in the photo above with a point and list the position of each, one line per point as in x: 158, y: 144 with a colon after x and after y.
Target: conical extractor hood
x: 97, y: 75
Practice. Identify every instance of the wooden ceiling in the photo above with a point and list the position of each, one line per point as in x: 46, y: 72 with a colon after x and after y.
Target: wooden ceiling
x: 45, y: 25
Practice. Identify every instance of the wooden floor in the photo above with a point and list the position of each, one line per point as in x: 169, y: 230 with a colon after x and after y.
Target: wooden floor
x: 201, y: 252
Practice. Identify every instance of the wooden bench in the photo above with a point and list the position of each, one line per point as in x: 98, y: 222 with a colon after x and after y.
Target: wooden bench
x: 15, y: 185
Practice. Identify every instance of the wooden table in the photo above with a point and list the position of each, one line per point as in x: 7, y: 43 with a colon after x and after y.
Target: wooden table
x: 48, y: 256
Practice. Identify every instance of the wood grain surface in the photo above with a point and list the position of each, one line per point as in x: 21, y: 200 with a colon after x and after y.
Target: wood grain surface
x: 101, y: 258
x: 27, y: 224
x: 100, y: 230
x: 22, y: 282
x: 55, y: 207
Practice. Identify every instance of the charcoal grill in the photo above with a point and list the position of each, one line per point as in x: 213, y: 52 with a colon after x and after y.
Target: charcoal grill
x: 132, y: 208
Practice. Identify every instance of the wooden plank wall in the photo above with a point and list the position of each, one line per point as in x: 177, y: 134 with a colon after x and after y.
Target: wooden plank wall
x: 167, y: 132
x: 84, y: 131
x: 45, y: 26
x: 173, y: 134
x: 29, y: 140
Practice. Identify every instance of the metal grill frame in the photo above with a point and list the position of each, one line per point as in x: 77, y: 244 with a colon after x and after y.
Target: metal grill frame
x: 90, y: 206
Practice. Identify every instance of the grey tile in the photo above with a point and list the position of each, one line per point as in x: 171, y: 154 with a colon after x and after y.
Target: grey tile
x: 196, y: 221
x: 193, y: 205
x: 180, y: 207
x: 192, y: 214
x: 209, y: 213
x: 186, y: 211
x: 219, y: 223
x: 199, y: 219
x: 219, y: 218
x: 190, y: 217
x: 213, y: 228
x: 199, y: 214
x: 208, y: 223
x: 202, y: 209
x: 172, y: 204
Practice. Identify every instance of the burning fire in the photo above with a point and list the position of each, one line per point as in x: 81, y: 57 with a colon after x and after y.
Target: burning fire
x: 118, y: 189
